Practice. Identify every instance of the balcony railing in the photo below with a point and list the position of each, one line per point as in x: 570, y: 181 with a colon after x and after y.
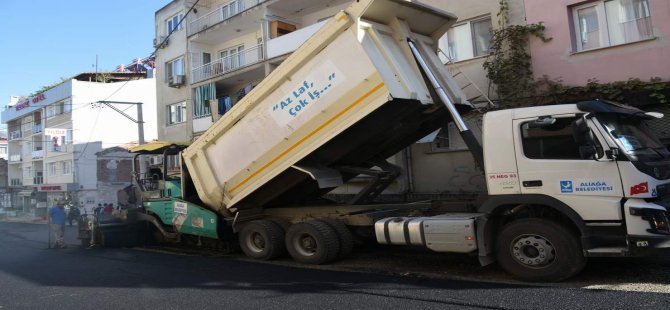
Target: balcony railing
x: 15, y: 135
x: 229, y: 63
x: 38, y: 154
x: 37, y: 128
x: 220, y: 14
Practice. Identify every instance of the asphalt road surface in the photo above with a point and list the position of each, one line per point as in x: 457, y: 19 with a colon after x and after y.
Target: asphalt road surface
x: 34, y: 277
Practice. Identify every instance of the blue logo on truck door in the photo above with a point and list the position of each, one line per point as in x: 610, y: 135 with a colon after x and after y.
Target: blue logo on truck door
x: 566, y: 186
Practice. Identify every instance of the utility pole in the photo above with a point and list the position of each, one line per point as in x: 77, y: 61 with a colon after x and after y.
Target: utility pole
x: 139, y: 121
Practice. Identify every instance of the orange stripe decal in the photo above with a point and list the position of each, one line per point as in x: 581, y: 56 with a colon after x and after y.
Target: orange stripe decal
x: 311, y: 134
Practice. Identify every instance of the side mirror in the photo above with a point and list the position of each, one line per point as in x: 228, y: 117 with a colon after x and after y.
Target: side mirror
x: 542, y: 121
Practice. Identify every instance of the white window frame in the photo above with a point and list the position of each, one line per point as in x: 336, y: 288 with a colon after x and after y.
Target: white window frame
x: 67, y: 167
x: 53, y: 170
x: 470, y: 43
x: 172, y: 22
x: 174, y: 67
x: 232, y: 57
x: 179, y: 112
x: 231, y: 9
x: 605, y: 31
x: 449, y: 139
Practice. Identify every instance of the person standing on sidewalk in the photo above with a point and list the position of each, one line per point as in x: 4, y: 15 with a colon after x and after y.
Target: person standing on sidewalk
x: 57, y: 215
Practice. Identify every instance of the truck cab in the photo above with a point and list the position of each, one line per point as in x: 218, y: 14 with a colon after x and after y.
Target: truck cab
x: 593, y: 168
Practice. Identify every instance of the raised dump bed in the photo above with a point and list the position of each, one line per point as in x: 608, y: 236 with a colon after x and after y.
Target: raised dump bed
x: 349, y: 97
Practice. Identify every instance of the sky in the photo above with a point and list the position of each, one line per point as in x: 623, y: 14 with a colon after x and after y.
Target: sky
x: 42, y: 41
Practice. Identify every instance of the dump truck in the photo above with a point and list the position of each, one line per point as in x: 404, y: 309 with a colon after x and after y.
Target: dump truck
x: 564, y: 182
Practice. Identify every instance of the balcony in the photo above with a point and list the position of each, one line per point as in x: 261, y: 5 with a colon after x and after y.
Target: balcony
x: 15, y: 157
x: 37, y: 128
x: 15, y: 182
x: 15, y: 135
x: 291, y: 41
x: 221, y: 14
x: 38, y: 154
x: 228, y: 64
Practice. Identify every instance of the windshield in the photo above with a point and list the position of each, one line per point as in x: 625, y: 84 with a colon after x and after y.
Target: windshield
x: 632, y: 135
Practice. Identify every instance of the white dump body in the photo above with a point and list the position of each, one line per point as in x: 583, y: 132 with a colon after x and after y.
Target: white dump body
x: 358, y: 62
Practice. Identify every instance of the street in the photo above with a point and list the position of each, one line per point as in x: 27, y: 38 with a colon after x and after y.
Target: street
x: 32, y: 276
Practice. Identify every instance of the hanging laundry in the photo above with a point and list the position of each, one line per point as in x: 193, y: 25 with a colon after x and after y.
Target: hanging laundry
x: 224, y: 105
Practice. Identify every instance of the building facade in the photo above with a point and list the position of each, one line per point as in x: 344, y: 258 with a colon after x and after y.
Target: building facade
x: 609, y: 41
x: 210, y: 56
x: 54, y: 136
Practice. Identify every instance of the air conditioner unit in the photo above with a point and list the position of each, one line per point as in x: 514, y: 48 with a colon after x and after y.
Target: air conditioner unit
x: 159, y: 40
x: 176, y: 80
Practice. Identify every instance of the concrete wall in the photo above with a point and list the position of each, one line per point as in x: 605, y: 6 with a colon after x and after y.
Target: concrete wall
x: 558, y: 58
x: 101, y: 123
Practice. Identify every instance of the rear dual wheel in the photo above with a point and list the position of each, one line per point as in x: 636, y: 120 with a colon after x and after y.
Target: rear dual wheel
x: 262, y: 239
x: 319, y: 241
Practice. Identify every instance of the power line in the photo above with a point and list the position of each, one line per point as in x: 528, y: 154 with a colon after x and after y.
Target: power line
x: 170, y: 32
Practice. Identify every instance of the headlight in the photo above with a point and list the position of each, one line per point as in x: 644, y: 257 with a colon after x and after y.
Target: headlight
x: 658, y: 219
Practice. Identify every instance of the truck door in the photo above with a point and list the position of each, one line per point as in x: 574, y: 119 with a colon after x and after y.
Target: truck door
x: 550, y: 164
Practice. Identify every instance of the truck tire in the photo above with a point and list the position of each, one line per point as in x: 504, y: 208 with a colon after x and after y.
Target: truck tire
x: 343, y: 235
x: 312, y: 242
x: 262, y: 239
x: 539, y: 250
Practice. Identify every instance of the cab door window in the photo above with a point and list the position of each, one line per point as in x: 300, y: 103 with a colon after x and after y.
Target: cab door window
x: 554, y: 141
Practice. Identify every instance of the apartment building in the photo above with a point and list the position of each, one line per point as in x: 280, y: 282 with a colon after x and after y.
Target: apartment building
x: 614, y: 40
x: 610, y: 40
x: 54, y: 136
x: 213, y: 56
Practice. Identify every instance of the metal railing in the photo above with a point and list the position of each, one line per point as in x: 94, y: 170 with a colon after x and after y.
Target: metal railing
x: 37, y: 128
x: 220, y: 14
x: 38, y: 154
x: 229, y: 63
x: 15, y: 135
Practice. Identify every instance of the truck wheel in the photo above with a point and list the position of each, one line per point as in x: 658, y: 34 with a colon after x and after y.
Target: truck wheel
x: 343, y: 235
x: 312, y: 242
x: 262, y: 239
x: 539, y: 250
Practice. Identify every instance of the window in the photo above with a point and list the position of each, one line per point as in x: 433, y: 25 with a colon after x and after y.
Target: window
x: 606, y: 23
x: 449, y: 138
x: 176, y: 113
x: 66, y: 167
x: 232, y: 57
x: 550, y: 142
x: 232, y: 8
x: 173, y: 24
x: 52, y: 169
x: 174, y: 67
x: 467, y: 40
x: 59, y: 108
x: 3, y: 150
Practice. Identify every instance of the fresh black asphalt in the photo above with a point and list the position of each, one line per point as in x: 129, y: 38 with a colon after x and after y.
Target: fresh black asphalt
x: 34, y: 277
